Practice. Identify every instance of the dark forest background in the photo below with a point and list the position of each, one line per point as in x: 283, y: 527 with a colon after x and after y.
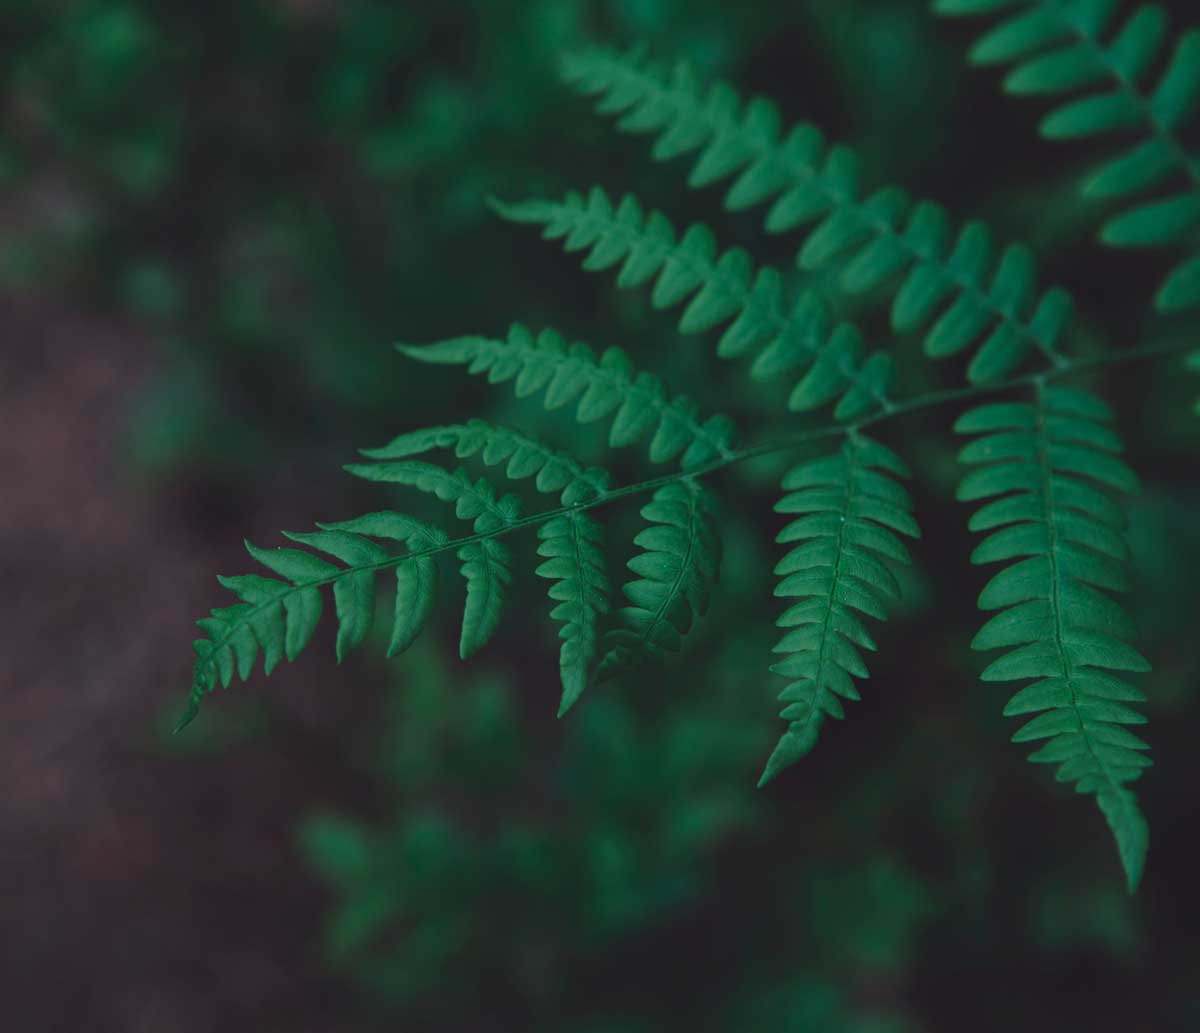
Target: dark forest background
x: 215, y: 218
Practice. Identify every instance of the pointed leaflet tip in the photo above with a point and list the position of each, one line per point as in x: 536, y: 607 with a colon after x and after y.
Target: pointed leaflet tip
x: 189, y: 715
x: 572, y: 690
x: 1130, y: 830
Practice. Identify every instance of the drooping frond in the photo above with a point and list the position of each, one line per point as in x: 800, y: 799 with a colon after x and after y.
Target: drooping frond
x: 676, y: 570
x: 850, y: 510
x: 605, y: 387
x: 1064, y: 48
x: 1046, y: 467
x: 952, y: 283
x: 1194, y: 363
x: 486, y: 564
x: 279, y: 615
x: 570, y: 544
x: 723, y: 288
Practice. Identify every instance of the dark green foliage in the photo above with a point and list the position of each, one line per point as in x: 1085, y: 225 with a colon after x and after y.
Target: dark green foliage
x: 647, y: 802
x: 1134, y: 80
x: 1046, y: 466
x: 952, y: 283
x: 849, y: 509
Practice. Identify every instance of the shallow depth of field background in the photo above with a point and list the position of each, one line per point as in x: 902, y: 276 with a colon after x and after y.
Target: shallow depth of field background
x: 214, y: 221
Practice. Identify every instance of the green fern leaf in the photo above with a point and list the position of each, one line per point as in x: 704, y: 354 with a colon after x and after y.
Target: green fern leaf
x: 1048, y: 468
x: 676, y: 570
x: 486, y: 564
x: 1062, y: 48
x: 850, y: 510
x: 952, y: 284
x: 572, y: 548
x: 280, y: 616
x: 606, y: 388
x: 723, y: 288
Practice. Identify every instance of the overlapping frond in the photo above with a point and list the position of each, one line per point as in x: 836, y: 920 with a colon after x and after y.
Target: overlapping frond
x: 952, y: 283
x: 676, y: 570
x: 571, y: 545
x: 607, y: 387
x: 721, y: 287
x: 850, y: 510
x: 1119, y: 77
x: 1048, y: 468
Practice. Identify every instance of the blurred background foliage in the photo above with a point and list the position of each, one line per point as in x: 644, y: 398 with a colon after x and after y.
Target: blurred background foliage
x: 272, y: 191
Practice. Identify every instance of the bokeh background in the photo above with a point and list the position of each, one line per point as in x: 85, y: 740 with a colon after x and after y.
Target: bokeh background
x: 214, y: 220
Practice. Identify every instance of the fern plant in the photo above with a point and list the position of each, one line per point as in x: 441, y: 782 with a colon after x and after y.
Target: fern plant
x: 1045, y: 460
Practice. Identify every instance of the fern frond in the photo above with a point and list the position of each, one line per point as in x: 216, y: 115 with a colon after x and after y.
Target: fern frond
x: 850, y: 509
x: 607, y: 387
x: 523, y: 456
x: 570, y: 544
x: 723, y: 288
x: 1063, y: 49
x: 1048, y: 467
x: 676, y: 570
x: 486, y: 564
x: 951, y: 283
x: 279, y: 617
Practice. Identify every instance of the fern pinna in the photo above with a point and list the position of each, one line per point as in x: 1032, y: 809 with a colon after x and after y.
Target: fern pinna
x: 1044, y: 465
x: 1137, y: 83
x: 1047, y: 467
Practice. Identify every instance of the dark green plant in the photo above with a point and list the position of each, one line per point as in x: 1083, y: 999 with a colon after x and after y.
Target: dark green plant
x: 1047, y: 461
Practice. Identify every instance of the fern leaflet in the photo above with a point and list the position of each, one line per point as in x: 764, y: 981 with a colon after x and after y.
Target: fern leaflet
x: 850, y: 509
x: 1060, y: 48
x: 280, y: 616
x: 676, y: 570
x: 607, y: 387
x: 524, y: 456
x: 572, y: 547
x: 951, y: 283
x: 722, y: 288
x: 1045, y: 466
